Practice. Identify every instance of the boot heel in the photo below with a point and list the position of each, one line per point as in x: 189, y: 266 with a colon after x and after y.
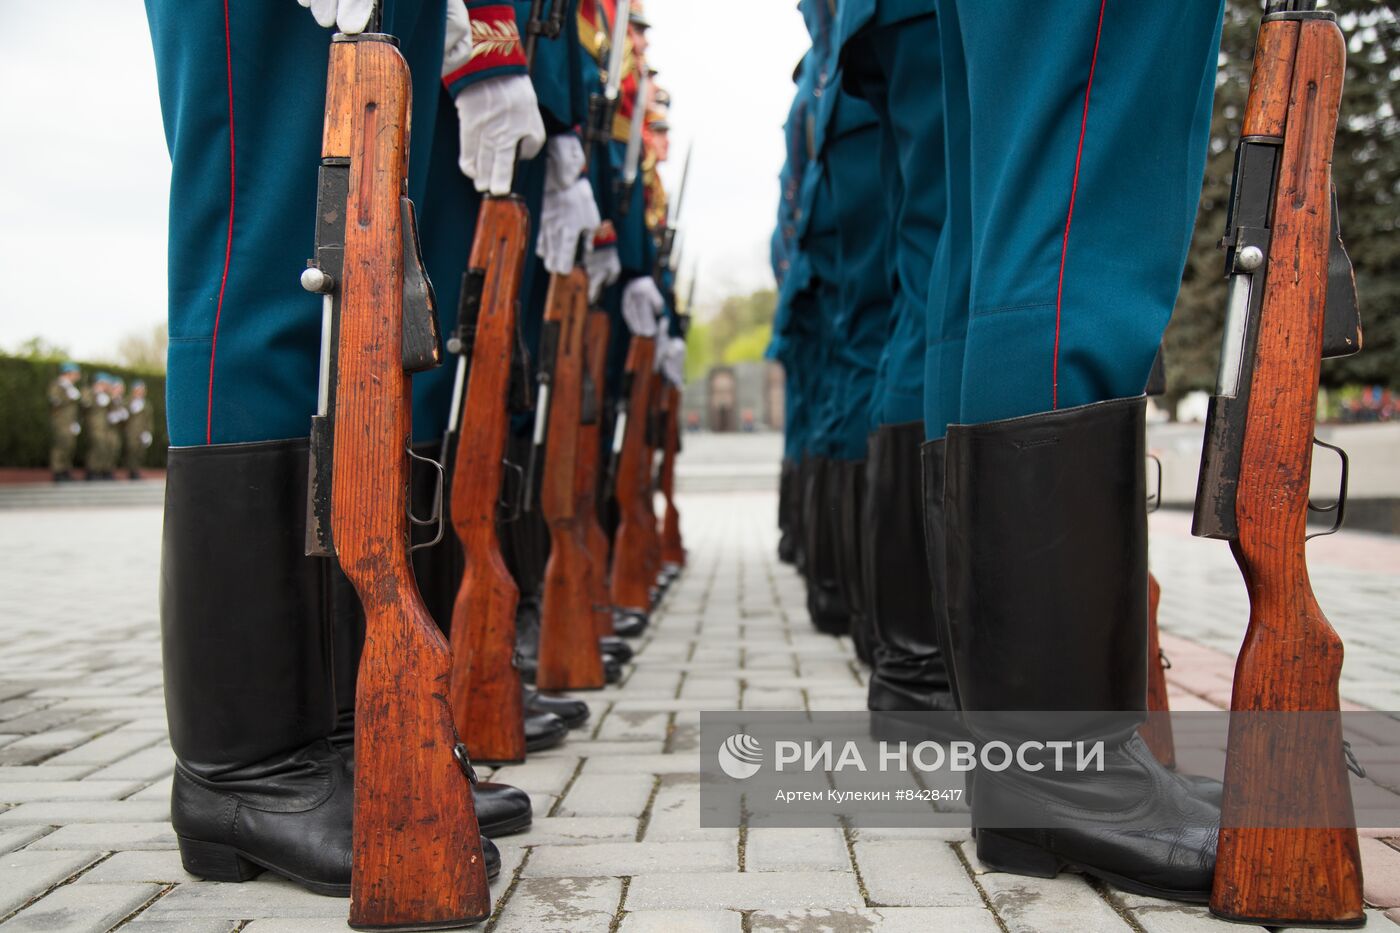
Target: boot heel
x: 1000, y: 852
x: 214, y: 861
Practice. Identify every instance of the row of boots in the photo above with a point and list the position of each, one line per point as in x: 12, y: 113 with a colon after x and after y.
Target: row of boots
x: 261, y: 653
x: 1004, y: 568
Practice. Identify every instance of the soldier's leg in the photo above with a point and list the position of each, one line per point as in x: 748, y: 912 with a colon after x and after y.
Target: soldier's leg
x: 61, y: 454
x: 1083, y: 193
x: 249, y: 692
x: 893, y: 63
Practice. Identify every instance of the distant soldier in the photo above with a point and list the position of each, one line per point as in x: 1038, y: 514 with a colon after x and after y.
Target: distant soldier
x: 117, y: 417
x: 65, y: 402
x: 137, y: 429
x: 98, y: 403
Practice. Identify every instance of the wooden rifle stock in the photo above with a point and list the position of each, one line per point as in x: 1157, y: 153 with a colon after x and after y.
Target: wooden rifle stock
x: 632, y: 575
x: 596, y: 334
x: 1287, y: 854
x: 647, y: 507
x: 1157, y: 730
x: 672, y: 547
x: 417, y: 859
x: 486, y: 688
x: 569, y: 658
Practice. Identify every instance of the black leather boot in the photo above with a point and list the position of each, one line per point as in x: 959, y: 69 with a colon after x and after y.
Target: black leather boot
x: 527, y: 644
x: 616, y: 647
x: 787, y: 546
x: 628, y: 623
x: 828, y: 611
x: 904, y: 593
x: 797, y: 516
x: 1047, y: 611
x: 543, y: 730
x: 845, y: 494
x: 248, y: 672
x: 573, y: 713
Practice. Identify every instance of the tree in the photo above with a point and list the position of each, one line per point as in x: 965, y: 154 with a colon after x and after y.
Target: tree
x: 749, y: 346
x: 145, y: 350
x: 40, y: 350
x: 1366, y: 170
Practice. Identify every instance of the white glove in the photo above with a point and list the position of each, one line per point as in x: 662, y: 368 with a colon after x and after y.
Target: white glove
x: 72, y: 393
x: 569, y: 213
x: 603, y: 267
x: 673, y: 362
x: 457, y: 40
x: 497, y: 117
x: 349, y: 16
x: 641, y: 305
x: 146, y: 438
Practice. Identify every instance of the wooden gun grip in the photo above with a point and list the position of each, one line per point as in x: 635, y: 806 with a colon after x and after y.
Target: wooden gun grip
x: 417, y: 858
x: 1157, y: 731
x: 630, y: 586
x: 596, y: 334
x: 569, y: 657
x: 486, y: 688
x: 1287, y: 854
x: 672, y: 546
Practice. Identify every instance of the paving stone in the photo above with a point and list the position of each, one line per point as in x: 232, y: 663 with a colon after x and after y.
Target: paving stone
x: 545, y: 775
x: 109, y: 837
x: 142, y: 925
x: 98, y: 811
x: 1380, y: 866
x: 645, y: 723
x: 106, y: 749
x: 914, y: 873
x: 26, y: 874
x: 630, y: 858
x: 745, y: 891
x: 608, y: 795
x: 159, y: 867
x: 675, y: 815
x: 30, y: 791
x: 1034, y: 905
x: 884, y: 919
x: 267, y: 896
x: 677, y: 763
x: 301, y: 925
x: 577, y: 829
x: 782, y: 849
x: 682, y: 921
x: 561, y: 905
x: 145, y: 765
x: 15, y: 837
x: 44, y: 772
x: 73, y: 908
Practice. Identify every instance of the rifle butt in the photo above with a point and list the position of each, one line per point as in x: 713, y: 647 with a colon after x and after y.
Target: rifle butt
x: 595, y: 343
x: 633, y: 572
x: 1288, y: 852
x: 417, y: 859
x: 1157, y: 730
x: 486, y: 691
x: 569, y: 655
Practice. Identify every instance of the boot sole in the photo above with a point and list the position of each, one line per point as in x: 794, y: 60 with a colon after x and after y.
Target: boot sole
x: 516, y: 824
x: 216, y: 861
x: 1003, y: 853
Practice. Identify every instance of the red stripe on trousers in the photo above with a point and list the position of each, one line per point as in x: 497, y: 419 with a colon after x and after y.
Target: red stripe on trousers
x: 1069, y: 217
x: 228, y: 244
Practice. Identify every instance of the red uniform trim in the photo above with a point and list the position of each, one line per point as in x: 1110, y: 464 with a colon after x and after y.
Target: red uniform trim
x: 1069, y: 217
x: 495, y: 42
x: 228, y: 244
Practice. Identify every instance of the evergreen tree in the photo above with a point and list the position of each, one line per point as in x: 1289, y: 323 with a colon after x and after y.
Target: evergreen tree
x: 1366, y: 170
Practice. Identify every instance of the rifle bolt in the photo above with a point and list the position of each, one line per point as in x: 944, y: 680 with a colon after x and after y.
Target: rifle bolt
x: 1250, y: 258
x: 316, y: 281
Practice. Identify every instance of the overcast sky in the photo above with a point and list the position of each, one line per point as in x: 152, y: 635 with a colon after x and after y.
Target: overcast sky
x: 84, y: 174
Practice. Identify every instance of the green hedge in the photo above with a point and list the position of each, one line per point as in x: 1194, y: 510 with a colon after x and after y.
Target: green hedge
x: 24, y: 410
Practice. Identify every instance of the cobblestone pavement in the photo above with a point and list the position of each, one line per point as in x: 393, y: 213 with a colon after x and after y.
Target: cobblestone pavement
x: 616, y: 846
